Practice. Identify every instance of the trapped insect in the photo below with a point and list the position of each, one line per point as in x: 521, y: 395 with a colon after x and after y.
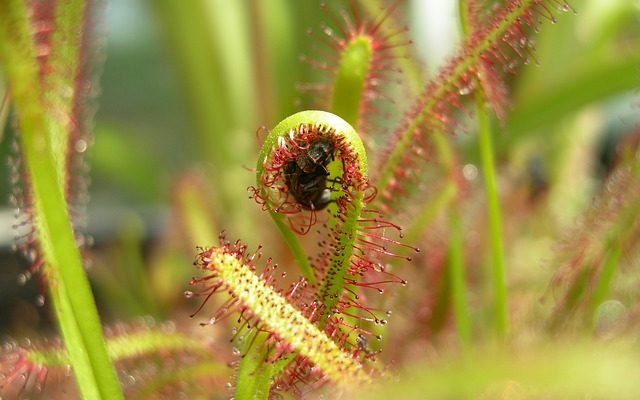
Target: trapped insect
x: 317, y: 155
x: 306, y: 176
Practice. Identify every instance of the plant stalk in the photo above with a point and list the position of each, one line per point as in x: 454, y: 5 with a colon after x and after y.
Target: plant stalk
x: 457, y: 278
x: 71, y: 295
x: 491, y: 188
x: 495, y: 216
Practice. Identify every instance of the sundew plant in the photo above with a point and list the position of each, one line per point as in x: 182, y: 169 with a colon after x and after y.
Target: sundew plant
x: 320, y: 199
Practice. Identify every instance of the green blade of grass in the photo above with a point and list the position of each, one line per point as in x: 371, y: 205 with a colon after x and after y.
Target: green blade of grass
x: 495, y: 216
x: 457, y: 280
x: 491, y: 188
x: 71, y: 295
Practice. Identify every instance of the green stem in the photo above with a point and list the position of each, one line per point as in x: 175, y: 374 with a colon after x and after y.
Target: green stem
x: 71, y: 295
x: 294, y: 245
x: 463, y: 18
x: 350, y: 80
x: 64, y: 63
x: 457, y: 278
x: 5, y: 103
x: 347, y: 101
x: 491, y: 189
x: 254, y: 376
x: 333, y: 284
x: 495, y: 217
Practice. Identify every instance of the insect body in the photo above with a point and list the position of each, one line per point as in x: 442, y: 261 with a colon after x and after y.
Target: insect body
x: 306, y: 176
x: 318, y: 154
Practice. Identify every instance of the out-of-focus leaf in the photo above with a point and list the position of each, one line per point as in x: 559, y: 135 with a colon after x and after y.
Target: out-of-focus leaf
x: 593, y: 83
x: 123, y: 161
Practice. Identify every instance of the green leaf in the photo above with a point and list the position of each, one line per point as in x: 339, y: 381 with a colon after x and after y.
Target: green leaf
x: 71, y: 295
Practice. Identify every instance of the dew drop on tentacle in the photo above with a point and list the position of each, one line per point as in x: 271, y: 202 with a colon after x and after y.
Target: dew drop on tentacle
x: 22, y: 279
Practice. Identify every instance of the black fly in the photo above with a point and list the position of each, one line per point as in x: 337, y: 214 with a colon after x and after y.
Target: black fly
x: 317, y: 155
x: 306, y: 176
